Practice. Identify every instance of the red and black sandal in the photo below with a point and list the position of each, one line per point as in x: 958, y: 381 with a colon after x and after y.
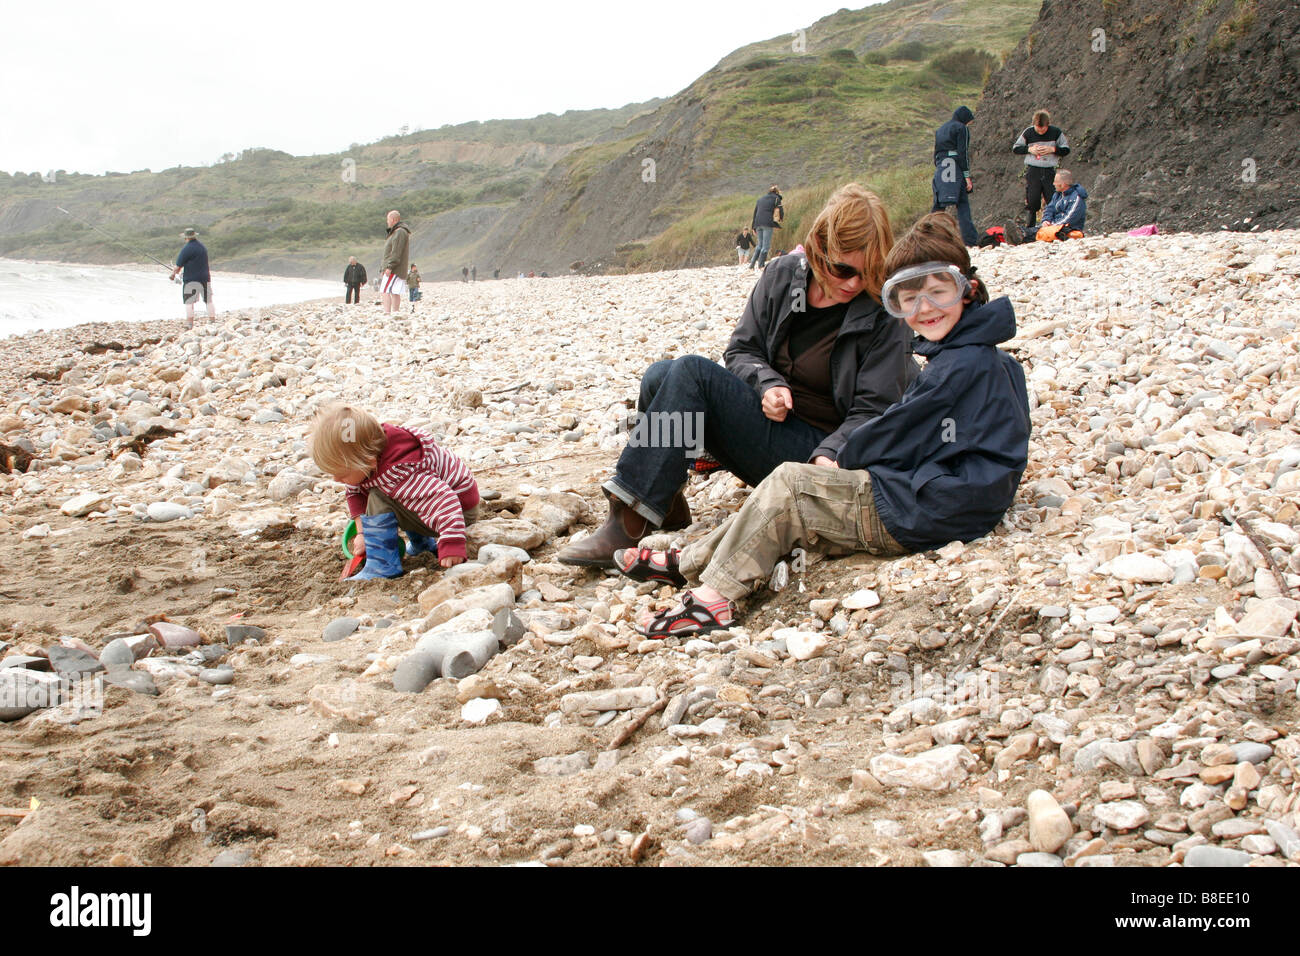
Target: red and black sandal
x: 641, y: 564
x: 689, y: 618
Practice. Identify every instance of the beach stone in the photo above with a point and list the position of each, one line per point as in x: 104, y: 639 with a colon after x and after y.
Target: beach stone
x: 289, y: 484
x: 171, y: 635
x: 1199, y: 856
x: 1049, y: 826
x: 1271, y: 618
x: 117, y: 653
x: 339, y: 628
x: 1138, y: 567
x: 27, y: 662
x: 24, y: 691
x: 491, y: 552
x: 167, y: 511
x: 73, y: 661
x: 511, y: 532
x: 238, y: 633
x: 564, y: 766
x: 698, y: 831
x: 254, y: 522
x: 1121, y: 815
x: 937, y: 769
x: 138, y: 682
x: 1258, y: 844
x: 217, y: 675
x: 415, y: 672
x: 1286, y: 838
x: 478, y: 710
x: 228, y: 858
x: 802, y: 645
x: 861, y: 599
x: 598, y: 701
x: 945, y: 858
x: 1039, y: 859
x: 553, y: 512
x: 84, y: 504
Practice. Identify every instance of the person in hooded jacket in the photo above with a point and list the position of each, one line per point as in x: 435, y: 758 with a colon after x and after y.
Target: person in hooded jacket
x: 1065, y: 214
x: 813, y: 356
x: 942, y: 464
x: 952, y: 183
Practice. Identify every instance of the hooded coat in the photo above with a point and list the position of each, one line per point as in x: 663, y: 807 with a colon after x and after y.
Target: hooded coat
x: 945, y: 462
x: 1069, y: 208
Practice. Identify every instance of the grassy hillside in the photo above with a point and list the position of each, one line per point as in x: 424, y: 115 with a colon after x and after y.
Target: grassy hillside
x: 856, y: 95
x: 300, y: 212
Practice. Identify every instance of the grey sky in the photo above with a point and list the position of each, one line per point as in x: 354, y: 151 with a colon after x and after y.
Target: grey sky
x: 94, y: 86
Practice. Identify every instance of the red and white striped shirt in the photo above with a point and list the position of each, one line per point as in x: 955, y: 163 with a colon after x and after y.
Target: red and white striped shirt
x: 425, y: 478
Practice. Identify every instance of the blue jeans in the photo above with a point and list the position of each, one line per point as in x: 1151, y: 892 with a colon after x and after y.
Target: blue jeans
x: 764, y: 244
x: 676, y: 394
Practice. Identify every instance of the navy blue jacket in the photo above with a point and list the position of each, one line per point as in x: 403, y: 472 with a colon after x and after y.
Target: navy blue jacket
x: 765, y: 211
x: 194, y: 257
x: 945, y: 461
x: 952, y: 139
x: 1069, y: 207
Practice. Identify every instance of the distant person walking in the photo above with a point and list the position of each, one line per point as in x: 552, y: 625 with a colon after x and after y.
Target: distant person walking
x: 1042, y: 145
x: 354, y: 277
x: 196, y: 280
x: 473, y: 273
x: 464, y: 273
x: 397, y: 253
x: 768, y: 215
x: 952, y: 182
x: 413, y: 285
x: 744, y: 242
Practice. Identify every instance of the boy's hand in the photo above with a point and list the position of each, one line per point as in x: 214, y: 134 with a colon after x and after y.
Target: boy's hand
x: 451, y: 560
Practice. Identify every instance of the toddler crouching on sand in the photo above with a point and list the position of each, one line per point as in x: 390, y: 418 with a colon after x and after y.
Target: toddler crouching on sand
x: 396, y: 478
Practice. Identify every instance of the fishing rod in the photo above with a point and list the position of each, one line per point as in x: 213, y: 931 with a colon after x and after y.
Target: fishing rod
x: 119, y: 242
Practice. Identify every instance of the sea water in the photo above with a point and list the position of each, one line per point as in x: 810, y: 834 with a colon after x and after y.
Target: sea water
x: 55, y: 295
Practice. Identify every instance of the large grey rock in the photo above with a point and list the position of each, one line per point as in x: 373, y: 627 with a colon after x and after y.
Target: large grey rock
x: 512, y: 532
x: 339, y: 628
x: 238, y: 633
x: 23, y: 691
x: 1039, y: 859
x: 553, y: 512
x: 73, y: 661
x: 138, y: 682
x: 415, y: 671
x: 84, y: 504
x: 1287, y: 840
x: 117, y: 653
x: 937, y: 769
x: 289, y: 484
x: 167, y: 511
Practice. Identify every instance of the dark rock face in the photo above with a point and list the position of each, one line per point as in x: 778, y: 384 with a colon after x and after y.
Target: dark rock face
x: 1181, y: 112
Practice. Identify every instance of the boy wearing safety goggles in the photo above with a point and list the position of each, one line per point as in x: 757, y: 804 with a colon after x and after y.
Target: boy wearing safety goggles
x: 942, y: 464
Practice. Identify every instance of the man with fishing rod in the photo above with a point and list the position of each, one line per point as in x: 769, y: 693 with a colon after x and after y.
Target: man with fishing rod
x: 197, y: 279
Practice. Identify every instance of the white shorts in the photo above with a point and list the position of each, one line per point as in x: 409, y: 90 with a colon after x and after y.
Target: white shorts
x: 393, y: 285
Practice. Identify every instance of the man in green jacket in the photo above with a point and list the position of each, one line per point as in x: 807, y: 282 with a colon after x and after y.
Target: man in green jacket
x: 396, y: 263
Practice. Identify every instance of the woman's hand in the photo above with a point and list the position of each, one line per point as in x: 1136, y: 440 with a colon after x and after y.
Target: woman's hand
x: 827, y: 462
x: 777, y: 402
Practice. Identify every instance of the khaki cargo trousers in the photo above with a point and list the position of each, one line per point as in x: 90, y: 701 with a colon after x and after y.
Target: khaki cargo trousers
x: 830, y: 510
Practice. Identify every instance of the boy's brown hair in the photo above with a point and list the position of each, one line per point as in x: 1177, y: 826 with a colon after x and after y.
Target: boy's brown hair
x: 344, y: 438
x: 934, y: 238
x: 1042, y: 118
x: 854, y: 219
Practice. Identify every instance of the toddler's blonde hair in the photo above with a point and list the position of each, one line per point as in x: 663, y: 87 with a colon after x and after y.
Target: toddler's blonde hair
x: 344, y: 438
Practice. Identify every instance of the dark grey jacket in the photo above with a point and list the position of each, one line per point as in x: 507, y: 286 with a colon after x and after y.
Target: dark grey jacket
x: 871, y: 361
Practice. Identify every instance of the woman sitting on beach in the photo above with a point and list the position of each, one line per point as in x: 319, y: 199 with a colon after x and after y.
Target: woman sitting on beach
x: 813, y: 357
x: 942, y: 464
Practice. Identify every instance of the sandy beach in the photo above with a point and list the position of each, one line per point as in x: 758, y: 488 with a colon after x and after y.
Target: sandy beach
x: 1126, y: 642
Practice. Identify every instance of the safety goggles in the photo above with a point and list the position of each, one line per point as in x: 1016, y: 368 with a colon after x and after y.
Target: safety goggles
x: 939, y: 283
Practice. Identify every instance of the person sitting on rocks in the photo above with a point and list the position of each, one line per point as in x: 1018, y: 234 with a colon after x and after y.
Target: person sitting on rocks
x: 942, y: 464
x: 1065, y: 214
x: 813, y: 357
x: 396, y: 478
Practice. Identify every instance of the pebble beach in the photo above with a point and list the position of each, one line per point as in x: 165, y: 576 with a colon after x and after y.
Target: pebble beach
x: 1109, y: 679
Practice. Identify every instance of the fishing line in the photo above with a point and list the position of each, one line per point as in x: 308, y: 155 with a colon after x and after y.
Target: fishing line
x: 119, y: 242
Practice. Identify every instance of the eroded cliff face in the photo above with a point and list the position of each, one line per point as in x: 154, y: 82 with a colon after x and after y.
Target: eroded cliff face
x: 1178, y: 111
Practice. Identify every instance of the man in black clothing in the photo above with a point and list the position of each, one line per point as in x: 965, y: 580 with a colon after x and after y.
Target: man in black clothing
x: 952, y: 181
x: 354, y: 277
x: 1042, y: 145
x: 768, y: 213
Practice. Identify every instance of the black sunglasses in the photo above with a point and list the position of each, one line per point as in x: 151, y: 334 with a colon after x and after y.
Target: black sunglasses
x: 842, y: 270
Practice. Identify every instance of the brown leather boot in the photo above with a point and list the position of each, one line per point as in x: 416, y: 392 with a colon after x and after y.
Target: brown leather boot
x: 622, y: 529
